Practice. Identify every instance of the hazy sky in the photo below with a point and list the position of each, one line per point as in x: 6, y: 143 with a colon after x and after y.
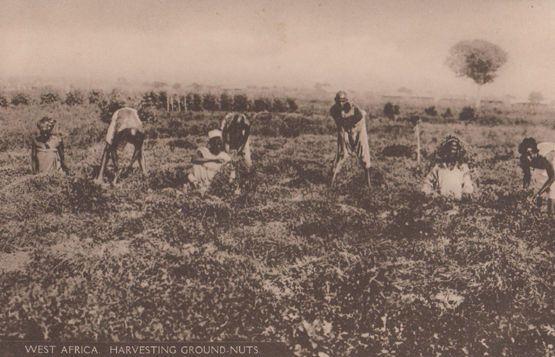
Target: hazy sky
x: 368, y: 45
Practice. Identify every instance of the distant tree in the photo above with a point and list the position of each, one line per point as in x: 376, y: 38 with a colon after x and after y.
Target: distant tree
x: 321, y: 87
x: 261, y: 104
x: 20, y: 99
x: 447, y: 113
x: 240, y: 103
x: 210, y: 102
x: 109, y: 106
x: 404, y: 90
x: 189, y: 101
x: 151, y: 99
x: 196, y: 87
x: 122, y: 81
x: 49, y: 97
x: 226, y: 102
x: 147, y: 108
x: 176, y: 86
x: 161, y: 99
x: 535, y: 97
x: 74, y: 97
x: 390, y: 110
x: 159, y: 85
x: 3, y: 101
x: 431, y: 111
x: 278, y: 106
x: 478, y: 60
x: 467, y: 114
x: 95, y: 96
x: 197, y: 102
x: 292, y: 105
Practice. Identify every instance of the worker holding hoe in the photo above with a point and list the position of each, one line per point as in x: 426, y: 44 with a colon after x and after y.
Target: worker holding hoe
x: 352, y: 137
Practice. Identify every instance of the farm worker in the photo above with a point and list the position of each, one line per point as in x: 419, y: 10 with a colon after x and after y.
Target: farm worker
x: 47, y: 149
x: 121, y: 122
x: 450, y: 176
x: 537, y: 161
x: 236, y: 129
x: 208, y: 161
x: 352, y: 137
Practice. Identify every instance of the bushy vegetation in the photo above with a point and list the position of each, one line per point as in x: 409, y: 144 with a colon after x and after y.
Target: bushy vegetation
x: 115, y: 101
x: 49, y: 97
x: 74, y: 97
x: 277, y: 255
x: 431, y: 111
x: 390, y: 110
x: 3, y: 101
x: 467, y: 114
x: 95, y: 96
x: 20, y: 99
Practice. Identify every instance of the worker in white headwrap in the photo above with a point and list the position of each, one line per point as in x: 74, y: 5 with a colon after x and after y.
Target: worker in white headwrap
x: 208, y: 161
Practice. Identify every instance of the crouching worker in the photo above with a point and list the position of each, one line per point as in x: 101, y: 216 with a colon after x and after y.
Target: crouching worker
x: 236, y: 129
x: 538, y: 162
x: 450, y: 175
x: 207, y: 162
x: 47, y: 149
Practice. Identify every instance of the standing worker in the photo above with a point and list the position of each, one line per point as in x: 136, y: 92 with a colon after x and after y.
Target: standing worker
x: 352, y: 137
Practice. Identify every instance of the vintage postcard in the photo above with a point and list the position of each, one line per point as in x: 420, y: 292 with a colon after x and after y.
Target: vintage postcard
x: 277, y: 178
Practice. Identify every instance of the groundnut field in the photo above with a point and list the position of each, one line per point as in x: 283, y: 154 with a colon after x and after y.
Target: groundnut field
x: 278, y: 255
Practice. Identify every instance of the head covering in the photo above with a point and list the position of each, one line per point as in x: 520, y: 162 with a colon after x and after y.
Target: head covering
x: 528, y: 143
x: 214, y: 134
x: 46, y: 123
x: 340, y: 94
x: 451, y: 148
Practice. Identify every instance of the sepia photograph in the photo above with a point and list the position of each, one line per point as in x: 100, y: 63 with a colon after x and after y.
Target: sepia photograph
x: 277, y: 178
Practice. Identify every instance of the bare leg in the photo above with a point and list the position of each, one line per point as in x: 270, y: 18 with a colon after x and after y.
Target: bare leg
x: 367, y: 173
x: 116, y: 165
x: 142, y: 161
x: 103, y: 163
x: 246, y: 153
x: 539, y: 202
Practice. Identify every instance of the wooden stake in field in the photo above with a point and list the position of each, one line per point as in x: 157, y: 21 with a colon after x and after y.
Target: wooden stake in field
x: 415, y: 120
x: 417, y: 132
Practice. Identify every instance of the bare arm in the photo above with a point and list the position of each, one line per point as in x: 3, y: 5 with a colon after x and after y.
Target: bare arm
x: 34, y: 160
x: 430, y: 182
x: 355, y: 118
x: 244, y: 138
x: 62, y: 156
x: 526, y: 173
x: 550, y: 177
x: 468, y: 186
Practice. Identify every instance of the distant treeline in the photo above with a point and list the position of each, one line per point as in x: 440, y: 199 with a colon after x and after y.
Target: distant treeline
x: 161, y: 100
